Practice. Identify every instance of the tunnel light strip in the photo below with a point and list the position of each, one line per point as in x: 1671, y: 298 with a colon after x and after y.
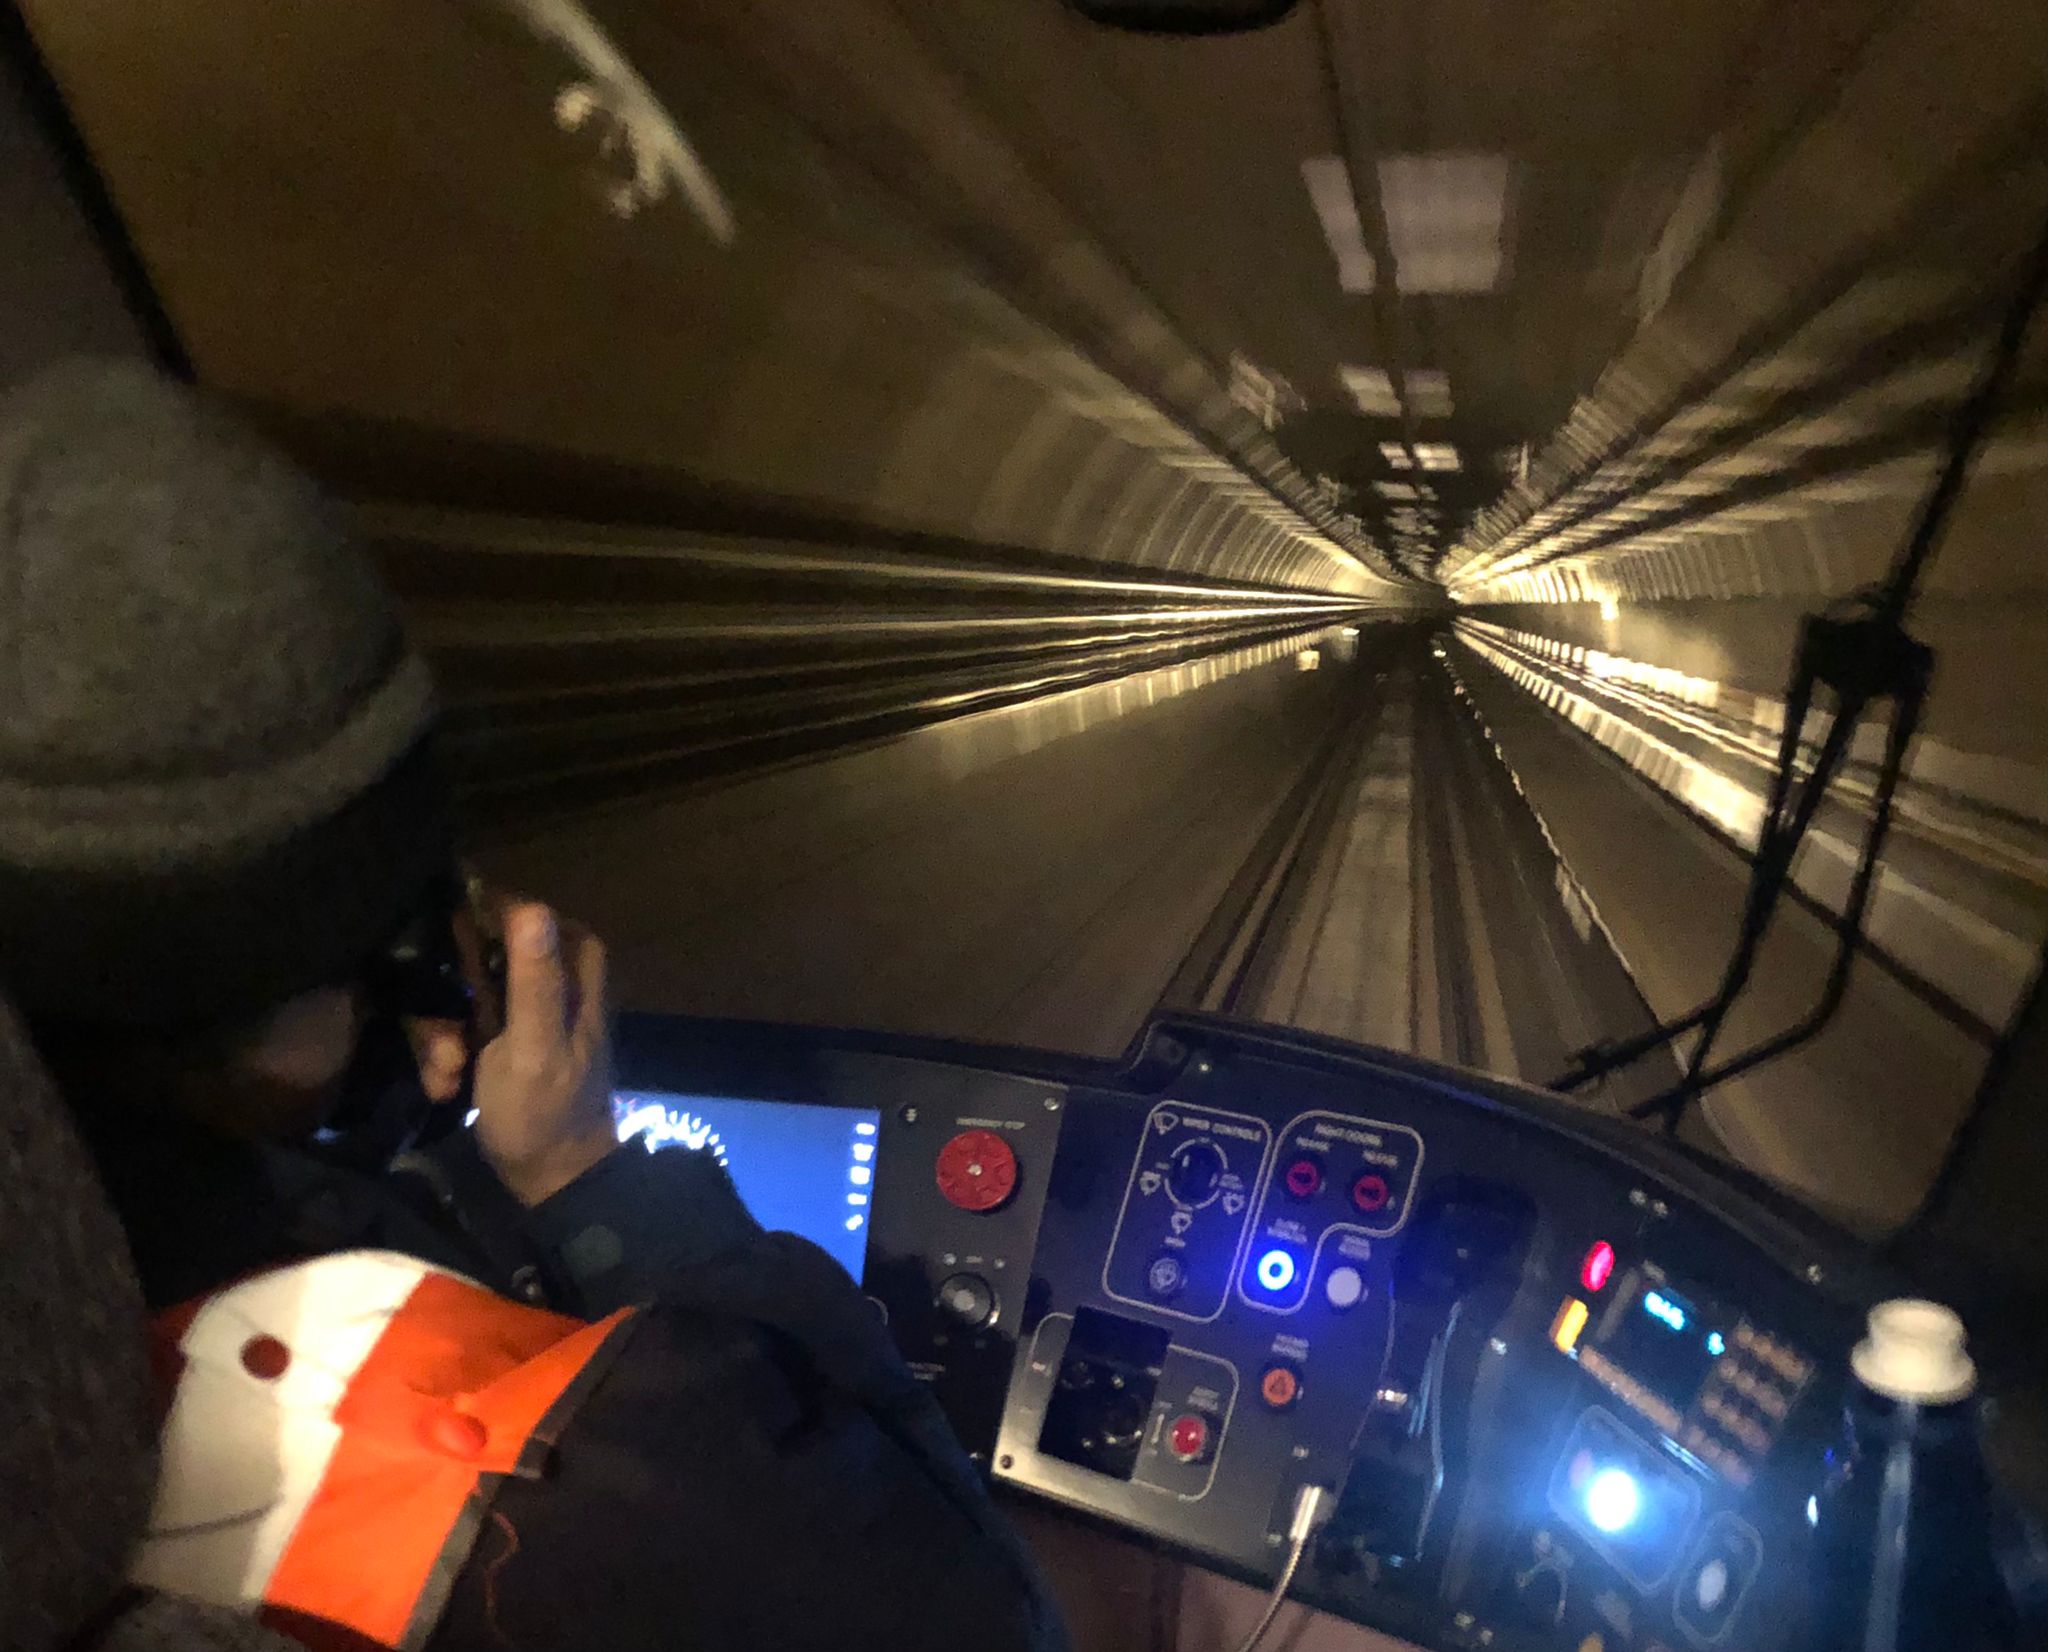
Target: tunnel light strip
x: 514, y: 535
x: 1974, y: 961
x: 1042, y: 709
x: 1748, y: 726
x: 524, y: 626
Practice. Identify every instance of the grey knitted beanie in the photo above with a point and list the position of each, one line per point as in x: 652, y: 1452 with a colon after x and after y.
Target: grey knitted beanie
x: 216, y: 789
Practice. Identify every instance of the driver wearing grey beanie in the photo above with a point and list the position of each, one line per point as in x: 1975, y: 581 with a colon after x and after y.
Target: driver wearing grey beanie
x: 216, y: 789
x: 219, y: 804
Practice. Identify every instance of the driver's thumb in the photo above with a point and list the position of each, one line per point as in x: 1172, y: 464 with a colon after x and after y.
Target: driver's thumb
x: 536, y: 998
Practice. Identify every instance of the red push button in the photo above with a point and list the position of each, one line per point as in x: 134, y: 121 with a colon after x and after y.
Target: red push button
x: 1188, y: 1439
x: 1304, y: 1178
x: 977, y: 1171
x: 1370, y: 1193
x: 1279, y: 1386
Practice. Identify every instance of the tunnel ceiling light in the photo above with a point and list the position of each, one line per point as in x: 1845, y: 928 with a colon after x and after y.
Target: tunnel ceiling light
x: 1395, y: 490
x: 1446, y: 216
x: 1429, y: 392
x: 1397, y: 455
x: 1438, y: 456
x: 1336, y: 208
x: 1372, y: 390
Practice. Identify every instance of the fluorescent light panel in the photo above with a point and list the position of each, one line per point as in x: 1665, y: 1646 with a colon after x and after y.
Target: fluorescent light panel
x: 1446, y: 216
x: 1446, y: 213
x: 1336, y: 209
x: 1372, y: 390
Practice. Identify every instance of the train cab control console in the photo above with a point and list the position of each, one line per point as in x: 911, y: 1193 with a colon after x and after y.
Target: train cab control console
x: 1559, y: 1382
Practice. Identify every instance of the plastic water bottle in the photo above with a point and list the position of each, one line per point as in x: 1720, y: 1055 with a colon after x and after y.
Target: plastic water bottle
x: 1903, y: 1538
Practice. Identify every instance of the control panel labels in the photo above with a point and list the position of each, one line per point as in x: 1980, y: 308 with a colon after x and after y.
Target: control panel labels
x: 1181, y: 1226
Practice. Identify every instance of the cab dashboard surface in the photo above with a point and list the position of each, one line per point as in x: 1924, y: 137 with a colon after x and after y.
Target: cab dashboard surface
x: 1560, y: 1378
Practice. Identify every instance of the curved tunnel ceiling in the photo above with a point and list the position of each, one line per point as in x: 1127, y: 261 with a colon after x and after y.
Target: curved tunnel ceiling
x: 1558, y: 308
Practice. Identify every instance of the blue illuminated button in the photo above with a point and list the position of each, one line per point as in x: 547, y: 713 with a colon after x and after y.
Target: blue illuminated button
x: 1166, y: 1276
x: 1276, y: 1270
x: 1613, y: 1500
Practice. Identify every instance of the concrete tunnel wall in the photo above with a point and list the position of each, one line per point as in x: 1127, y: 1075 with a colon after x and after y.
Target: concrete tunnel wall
x: 801, y: 331
x: 1761, y: 451
x: 873, y: 346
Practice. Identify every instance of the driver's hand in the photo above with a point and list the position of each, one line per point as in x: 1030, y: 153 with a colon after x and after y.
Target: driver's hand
x: 543, y: 1086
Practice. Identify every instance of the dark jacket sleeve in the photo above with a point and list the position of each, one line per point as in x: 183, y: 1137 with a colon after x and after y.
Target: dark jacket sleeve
x: 756, y: 1468
x: 613, y: 1237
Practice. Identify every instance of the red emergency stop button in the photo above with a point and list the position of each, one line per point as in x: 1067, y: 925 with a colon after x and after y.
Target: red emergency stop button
x: 1188, y: 1439
x: 977, y: 1171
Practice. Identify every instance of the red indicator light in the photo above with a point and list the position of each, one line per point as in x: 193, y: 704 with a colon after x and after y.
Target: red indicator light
x: 1189, y: 1439
x: 1598, y: 1267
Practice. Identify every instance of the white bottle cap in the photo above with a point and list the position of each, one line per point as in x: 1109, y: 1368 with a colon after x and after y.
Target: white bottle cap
x: 1914, y: 1352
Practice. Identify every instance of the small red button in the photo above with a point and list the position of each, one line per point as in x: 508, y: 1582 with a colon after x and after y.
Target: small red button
x: 1279, y: 1387
x: 1189, y: 1439
x: 1304, y: 1178
x: 458, y: 1434
x: 1369, y: 1193
x: 977, y: 1171
x: 265, y: 1357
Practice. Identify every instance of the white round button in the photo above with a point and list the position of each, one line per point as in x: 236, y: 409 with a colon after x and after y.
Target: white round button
x: 1710, y: 1588
x: 1344, y: 1287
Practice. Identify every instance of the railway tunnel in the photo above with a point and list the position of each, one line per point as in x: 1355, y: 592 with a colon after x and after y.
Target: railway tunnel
x: 961, y: 520
x: 873, y: 478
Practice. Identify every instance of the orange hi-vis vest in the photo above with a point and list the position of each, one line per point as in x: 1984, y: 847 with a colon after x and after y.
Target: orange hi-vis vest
x: 336, y: 1431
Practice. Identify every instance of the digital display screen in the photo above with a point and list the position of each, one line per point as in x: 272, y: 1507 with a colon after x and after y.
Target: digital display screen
x: 800, y: 1169
x: 1668, y: 1341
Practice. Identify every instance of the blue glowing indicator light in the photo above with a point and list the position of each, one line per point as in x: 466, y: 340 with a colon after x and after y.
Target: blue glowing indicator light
x: 1717, y: 1344
x: 1613, y: 1500
x: 1660, y: 1307
x: 1276, y: 1270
